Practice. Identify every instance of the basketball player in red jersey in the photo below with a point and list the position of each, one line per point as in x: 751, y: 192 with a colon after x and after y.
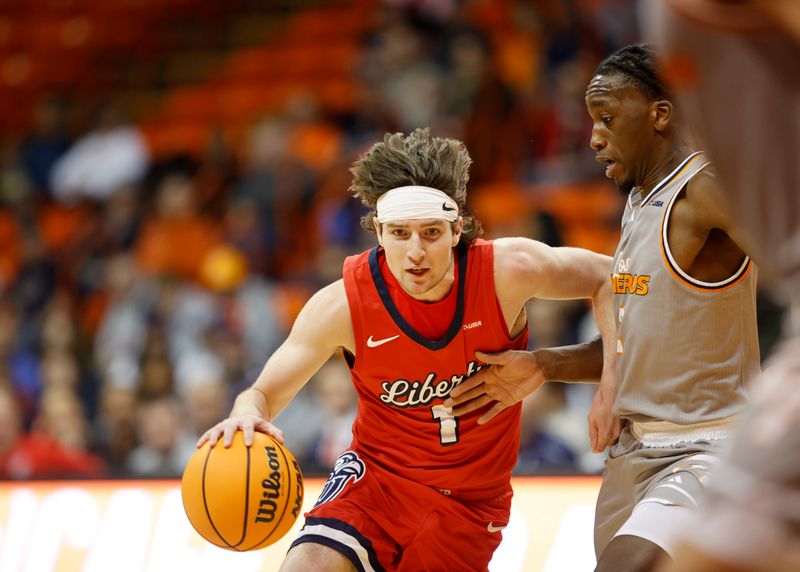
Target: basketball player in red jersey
x: 418, y: 489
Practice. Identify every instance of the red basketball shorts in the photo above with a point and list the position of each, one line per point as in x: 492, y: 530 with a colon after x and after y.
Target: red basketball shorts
x: 381, y: 521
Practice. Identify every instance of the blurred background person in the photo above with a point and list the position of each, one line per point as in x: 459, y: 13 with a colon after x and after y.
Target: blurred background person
x: 38, y: 454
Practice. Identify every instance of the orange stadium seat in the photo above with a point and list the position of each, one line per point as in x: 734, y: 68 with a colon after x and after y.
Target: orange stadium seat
x: 199, y: 103
x: 165, y: 138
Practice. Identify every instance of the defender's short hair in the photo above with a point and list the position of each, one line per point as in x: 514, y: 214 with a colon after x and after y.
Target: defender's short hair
x: 639, y: 66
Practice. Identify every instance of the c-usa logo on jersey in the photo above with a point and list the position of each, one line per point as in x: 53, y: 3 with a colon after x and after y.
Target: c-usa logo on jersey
x: 348, y: 466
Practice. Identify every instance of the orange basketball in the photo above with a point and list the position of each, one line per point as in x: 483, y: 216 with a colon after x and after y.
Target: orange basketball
x: 242, y: 498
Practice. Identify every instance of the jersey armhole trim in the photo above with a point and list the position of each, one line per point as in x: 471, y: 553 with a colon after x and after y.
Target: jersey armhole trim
x: 682, y: 276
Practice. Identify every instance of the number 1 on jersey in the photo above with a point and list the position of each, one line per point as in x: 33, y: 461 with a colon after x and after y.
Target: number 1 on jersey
x: 448, y: 424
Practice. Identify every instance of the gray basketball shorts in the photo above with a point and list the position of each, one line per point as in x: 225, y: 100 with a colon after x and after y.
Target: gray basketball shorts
x: 636, y: 475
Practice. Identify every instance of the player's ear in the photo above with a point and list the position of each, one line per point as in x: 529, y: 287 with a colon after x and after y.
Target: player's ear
x: 377, y: 227
x: 661, y: 114
x: 459, y: 226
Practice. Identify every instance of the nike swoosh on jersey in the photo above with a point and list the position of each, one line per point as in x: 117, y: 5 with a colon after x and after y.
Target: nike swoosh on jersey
x: 375, y: 343
x: 492, y: 528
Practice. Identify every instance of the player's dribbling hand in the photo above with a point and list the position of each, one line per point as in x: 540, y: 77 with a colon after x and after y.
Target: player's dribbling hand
x: 604, y: 426
x: 248, y: 424
x: 511, y: 376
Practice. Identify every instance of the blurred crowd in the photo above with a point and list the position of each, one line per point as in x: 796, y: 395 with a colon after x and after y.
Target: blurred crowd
x: 140, y: 293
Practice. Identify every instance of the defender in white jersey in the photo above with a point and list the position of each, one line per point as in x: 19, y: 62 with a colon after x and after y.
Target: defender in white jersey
x: 735, y: 68
x: 685, y: 308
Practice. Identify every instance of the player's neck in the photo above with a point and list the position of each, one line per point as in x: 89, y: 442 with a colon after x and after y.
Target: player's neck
x: 664, y: 164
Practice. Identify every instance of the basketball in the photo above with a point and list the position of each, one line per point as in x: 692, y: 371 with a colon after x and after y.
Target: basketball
x: 242, y: 498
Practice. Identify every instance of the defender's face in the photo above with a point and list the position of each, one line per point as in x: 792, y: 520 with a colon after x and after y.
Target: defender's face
x: 622, y: 133
x: 420, y: 255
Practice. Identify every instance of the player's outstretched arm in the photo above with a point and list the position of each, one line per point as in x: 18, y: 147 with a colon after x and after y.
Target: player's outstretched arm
x: 526, y: 269
x: 322, y: 327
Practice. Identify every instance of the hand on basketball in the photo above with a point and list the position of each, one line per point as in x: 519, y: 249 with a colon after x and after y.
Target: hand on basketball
x: 509, y: 378
x: 248, y: 424
x: 604, y: 426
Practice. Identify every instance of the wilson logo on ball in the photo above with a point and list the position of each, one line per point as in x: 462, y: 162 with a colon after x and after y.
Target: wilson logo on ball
x: 271, y: 488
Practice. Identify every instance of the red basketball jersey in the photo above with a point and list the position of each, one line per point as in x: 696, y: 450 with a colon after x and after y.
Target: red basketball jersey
x: 402, y: 378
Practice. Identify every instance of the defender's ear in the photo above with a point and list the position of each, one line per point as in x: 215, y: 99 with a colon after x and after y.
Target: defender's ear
x: 662, y: 114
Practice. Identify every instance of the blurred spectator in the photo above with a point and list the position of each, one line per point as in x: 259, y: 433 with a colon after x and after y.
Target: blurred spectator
x: 32, y: 455
x: 59, y: 370
x: 303, y: 424
x: 407, y: 77
x: 122, y: 329
x: 46, y: 142
x: 175, y: 241
x: 113, y: 154
x: 15, y: 187
x: 35, y: 284
x: 115, y: 426
x: 542, y: 450
x: 281, y: 188
x: 156, y: 377
x: 247, y: 305
x: 312, y: 140
x: 18, y: 360
x: 208, y: 401
x: 563, y: 411
x: 165, y: 445
x: 468, y: 59
x: 59, y: 329
x: 335, y: 393
x: 62, y: 417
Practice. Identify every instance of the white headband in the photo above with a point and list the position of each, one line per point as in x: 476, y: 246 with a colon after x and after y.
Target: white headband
x: 405, y: 203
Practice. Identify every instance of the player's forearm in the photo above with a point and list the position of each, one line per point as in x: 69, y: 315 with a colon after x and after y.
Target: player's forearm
x: 251, y: 401
x: 579, y: 363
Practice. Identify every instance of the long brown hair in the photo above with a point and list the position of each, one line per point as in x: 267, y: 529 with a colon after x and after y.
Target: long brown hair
x: 416, y: 159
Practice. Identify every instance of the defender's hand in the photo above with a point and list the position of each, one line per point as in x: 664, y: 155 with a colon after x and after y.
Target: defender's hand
x: 508, y: 378
x: 604, y: 426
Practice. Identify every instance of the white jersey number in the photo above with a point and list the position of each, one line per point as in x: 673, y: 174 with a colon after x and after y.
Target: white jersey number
x: 448, y: 424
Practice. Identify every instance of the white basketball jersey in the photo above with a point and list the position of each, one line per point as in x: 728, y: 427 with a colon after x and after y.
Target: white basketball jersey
x: 685, y: 348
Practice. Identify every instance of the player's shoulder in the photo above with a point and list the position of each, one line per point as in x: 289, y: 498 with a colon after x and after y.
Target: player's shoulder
x: 704, y: 190
x: 516, y: 257
x: 333, y: 292
x: 518, y: 246
x: 326, y: 315
x: 331, y: 300
x: 705, y: 205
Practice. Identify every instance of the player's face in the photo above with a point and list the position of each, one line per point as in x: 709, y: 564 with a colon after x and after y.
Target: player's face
x: 420, y: 255
x: 622, y: 134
